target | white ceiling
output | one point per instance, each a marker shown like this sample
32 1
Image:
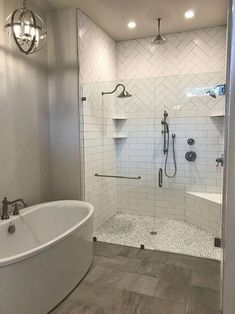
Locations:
113 15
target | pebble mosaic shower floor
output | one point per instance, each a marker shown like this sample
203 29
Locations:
168 235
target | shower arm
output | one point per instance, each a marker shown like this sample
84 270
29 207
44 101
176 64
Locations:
108 93
159 26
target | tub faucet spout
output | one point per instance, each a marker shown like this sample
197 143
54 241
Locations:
6 203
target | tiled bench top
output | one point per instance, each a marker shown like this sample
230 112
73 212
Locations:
213 197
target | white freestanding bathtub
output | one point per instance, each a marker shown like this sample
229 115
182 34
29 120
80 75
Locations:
46 257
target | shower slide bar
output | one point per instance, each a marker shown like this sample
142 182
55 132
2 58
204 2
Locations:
118 177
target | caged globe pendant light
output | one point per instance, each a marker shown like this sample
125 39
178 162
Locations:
27 29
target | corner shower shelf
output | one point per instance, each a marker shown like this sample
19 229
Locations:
119 118
218 114
119 136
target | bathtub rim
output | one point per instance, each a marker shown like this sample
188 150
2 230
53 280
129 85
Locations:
41 248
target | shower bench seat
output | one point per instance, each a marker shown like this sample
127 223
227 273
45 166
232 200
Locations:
204 210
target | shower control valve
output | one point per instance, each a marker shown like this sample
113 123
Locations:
191 156
191 141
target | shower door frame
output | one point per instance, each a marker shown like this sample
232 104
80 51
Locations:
228 232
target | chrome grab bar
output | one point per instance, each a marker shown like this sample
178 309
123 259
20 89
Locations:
119 177
160 180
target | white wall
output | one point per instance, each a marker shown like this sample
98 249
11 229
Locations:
64 103
24 127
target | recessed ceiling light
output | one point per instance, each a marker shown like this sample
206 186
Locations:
189 14
131 24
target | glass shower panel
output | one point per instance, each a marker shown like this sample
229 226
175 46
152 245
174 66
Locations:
123 137
194 194
135 154
192 114
99 149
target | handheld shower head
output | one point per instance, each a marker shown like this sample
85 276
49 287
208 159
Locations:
210 92
218 90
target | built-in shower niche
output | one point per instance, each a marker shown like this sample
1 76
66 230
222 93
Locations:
120 121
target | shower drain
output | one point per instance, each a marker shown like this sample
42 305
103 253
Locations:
153 232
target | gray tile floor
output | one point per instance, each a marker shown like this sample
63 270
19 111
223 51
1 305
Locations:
125 280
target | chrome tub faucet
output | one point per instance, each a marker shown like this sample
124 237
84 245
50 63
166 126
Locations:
6 203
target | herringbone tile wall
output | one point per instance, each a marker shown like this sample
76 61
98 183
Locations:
181 95
97 52
185 95
199 51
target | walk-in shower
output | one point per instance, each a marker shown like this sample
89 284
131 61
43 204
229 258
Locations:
131 121
137 175
166 146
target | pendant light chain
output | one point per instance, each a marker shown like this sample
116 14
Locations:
25 4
